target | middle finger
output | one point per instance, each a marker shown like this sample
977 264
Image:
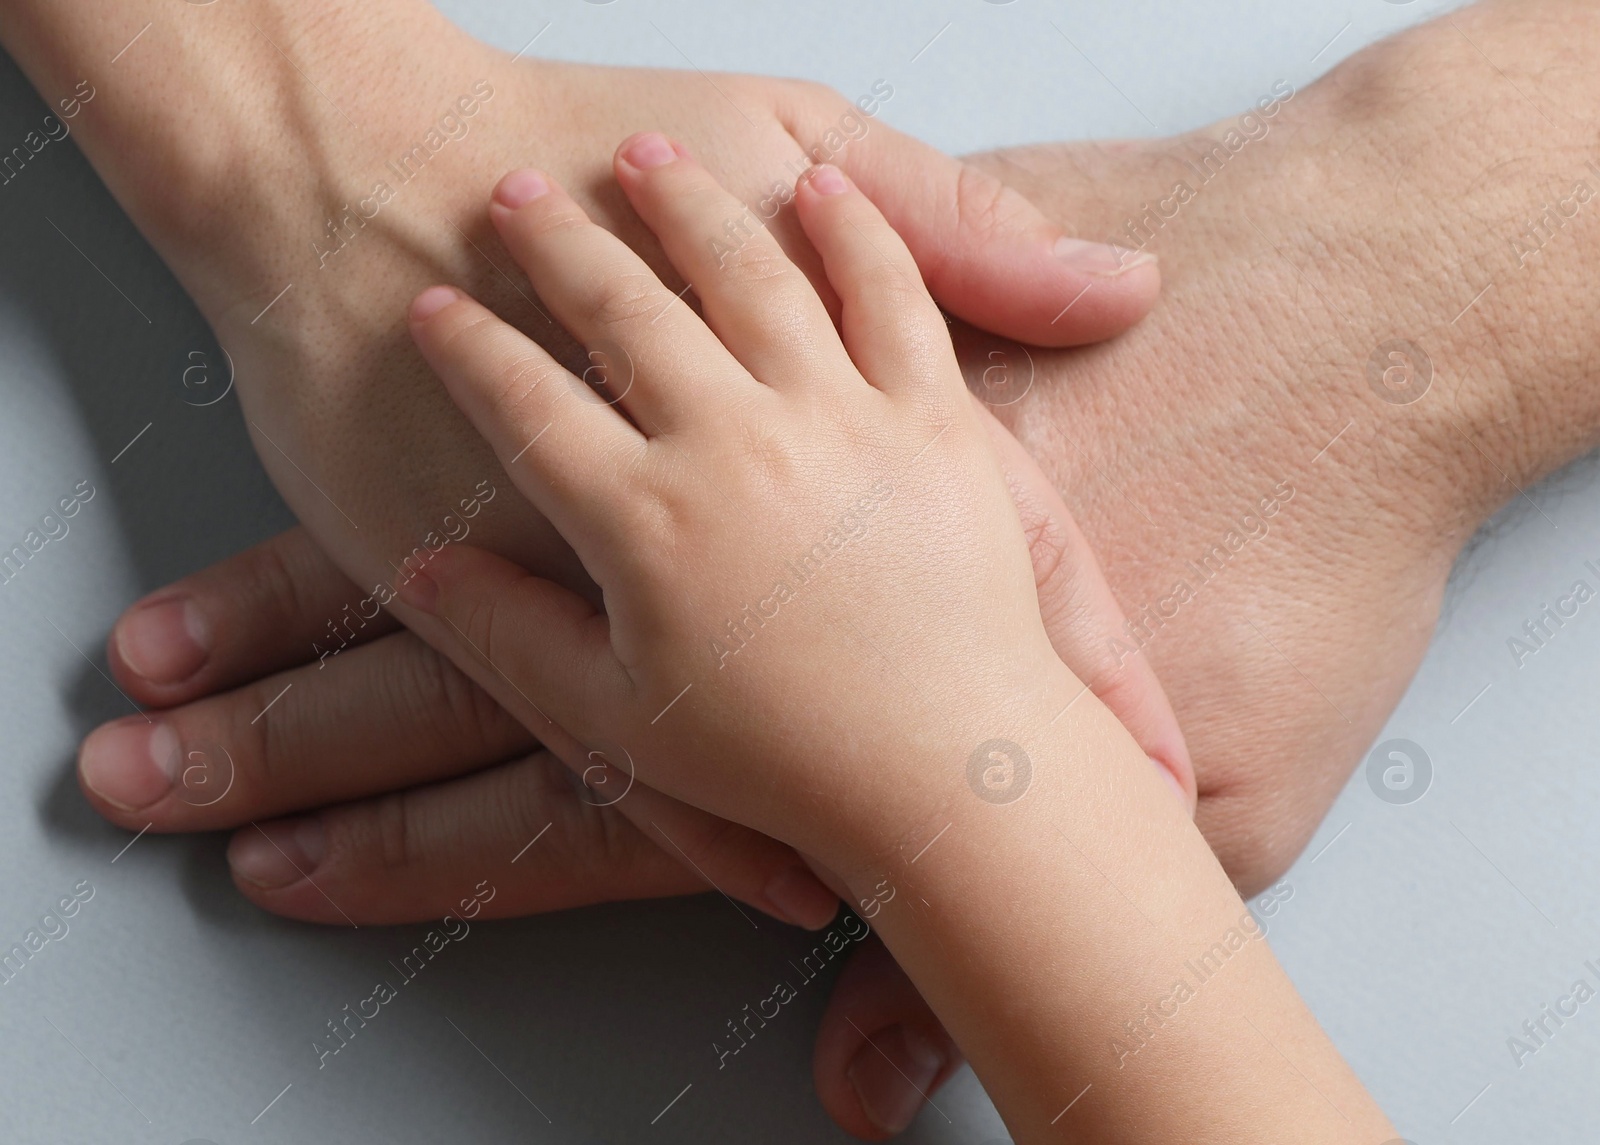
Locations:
382 716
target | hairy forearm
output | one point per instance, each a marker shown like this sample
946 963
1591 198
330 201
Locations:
1476 140
1396 198
1380 203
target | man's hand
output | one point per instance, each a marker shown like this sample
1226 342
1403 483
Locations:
1383 306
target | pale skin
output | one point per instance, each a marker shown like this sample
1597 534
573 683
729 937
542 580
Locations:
321 335
1353 575
843 721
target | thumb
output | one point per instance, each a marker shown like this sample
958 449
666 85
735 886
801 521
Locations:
988 255
1082 616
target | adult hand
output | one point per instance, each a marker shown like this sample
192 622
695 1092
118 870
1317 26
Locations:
411 777
413 129
1261 364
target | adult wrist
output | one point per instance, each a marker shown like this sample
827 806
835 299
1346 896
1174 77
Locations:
1487 171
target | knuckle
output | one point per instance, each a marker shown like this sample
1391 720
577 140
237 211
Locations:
901 288
615 846
1047 542
624 299
816 93
982 202
457 711
919 336
557 221
757 261
1056 575
394 831
266 735
268 568
519 376
478 623
809 107
469 339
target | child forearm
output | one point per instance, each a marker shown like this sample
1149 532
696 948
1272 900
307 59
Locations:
1082 944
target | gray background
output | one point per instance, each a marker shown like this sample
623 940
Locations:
1421 934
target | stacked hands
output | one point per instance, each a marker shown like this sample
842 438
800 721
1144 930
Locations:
889 677
896 686
749 433
781 607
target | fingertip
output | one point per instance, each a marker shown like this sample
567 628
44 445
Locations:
1180 777
1045 289
157 644
648 150
825 179
880 1049
991 258
1107 289
454 577
418 590
432 300
518 188
1100 260
798 896
278 855
893 1072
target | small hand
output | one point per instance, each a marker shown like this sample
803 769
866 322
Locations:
383 742
382 752
846 699
724 445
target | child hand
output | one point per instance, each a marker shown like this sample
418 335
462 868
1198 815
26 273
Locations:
820 620
818 597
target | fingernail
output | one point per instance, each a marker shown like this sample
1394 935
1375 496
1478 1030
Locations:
130 764
800 897
893 1074
1102 259
165 641
433 300
520 188
828 179
649 150
279 854
1172 782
